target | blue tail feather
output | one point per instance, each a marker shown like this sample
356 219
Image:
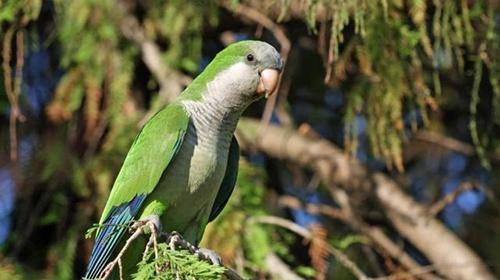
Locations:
110 235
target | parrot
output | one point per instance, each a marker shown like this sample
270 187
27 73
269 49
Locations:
181 168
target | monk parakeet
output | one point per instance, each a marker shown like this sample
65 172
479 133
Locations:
181 169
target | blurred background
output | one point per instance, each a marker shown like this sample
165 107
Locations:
379 156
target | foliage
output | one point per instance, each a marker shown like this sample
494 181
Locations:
66 252
9 271
175 265
391 49
23 11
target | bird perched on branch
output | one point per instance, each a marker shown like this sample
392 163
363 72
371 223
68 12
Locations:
182 167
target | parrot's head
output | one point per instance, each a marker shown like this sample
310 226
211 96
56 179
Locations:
258 60
243 72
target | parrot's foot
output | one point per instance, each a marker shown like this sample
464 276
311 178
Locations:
147 224
175 240
209 255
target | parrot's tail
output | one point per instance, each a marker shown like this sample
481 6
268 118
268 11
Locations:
109 236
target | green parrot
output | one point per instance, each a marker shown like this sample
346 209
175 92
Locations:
181 169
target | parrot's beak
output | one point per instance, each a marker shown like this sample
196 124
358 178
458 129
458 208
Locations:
268 81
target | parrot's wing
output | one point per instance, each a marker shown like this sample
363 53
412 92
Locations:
227 186
149 156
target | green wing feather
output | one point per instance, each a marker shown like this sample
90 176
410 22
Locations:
147 159
150 154
229 181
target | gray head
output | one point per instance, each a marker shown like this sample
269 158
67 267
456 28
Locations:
241 73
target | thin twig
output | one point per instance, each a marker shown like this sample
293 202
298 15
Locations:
120 268
284 223
445 142
278 269
109 267
154 233
306 234
313 208
419 271
376 234
13 88
439 205
449 143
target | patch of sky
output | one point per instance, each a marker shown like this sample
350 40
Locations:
7 196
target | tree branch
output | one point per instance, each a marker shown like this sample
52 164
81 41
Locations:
451 256
375 234
445 142
277 268
306 234
171 81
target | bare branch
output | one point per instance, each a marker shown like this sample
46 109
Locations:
313 208
377 235
13 87
445 142
279 269
439 205
418 272
448 143
171 81
117 260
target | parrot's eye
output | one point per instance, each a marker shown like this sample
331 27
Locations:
250 57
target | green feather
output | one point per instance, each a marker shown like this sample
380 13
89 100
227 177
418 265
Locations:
231 55
150 154
227 186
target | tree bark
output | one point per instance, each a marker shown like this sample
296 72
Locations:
449 254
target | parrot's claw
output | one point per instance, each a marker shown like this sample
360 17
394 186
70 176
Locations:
209 255
174 240
148 225
150 222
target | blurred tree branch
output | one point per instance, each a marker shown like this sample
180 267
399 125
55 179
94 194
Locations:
374 233
441 141
171 81
439 205
13 86
377 235
279 269
308 236
451 256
